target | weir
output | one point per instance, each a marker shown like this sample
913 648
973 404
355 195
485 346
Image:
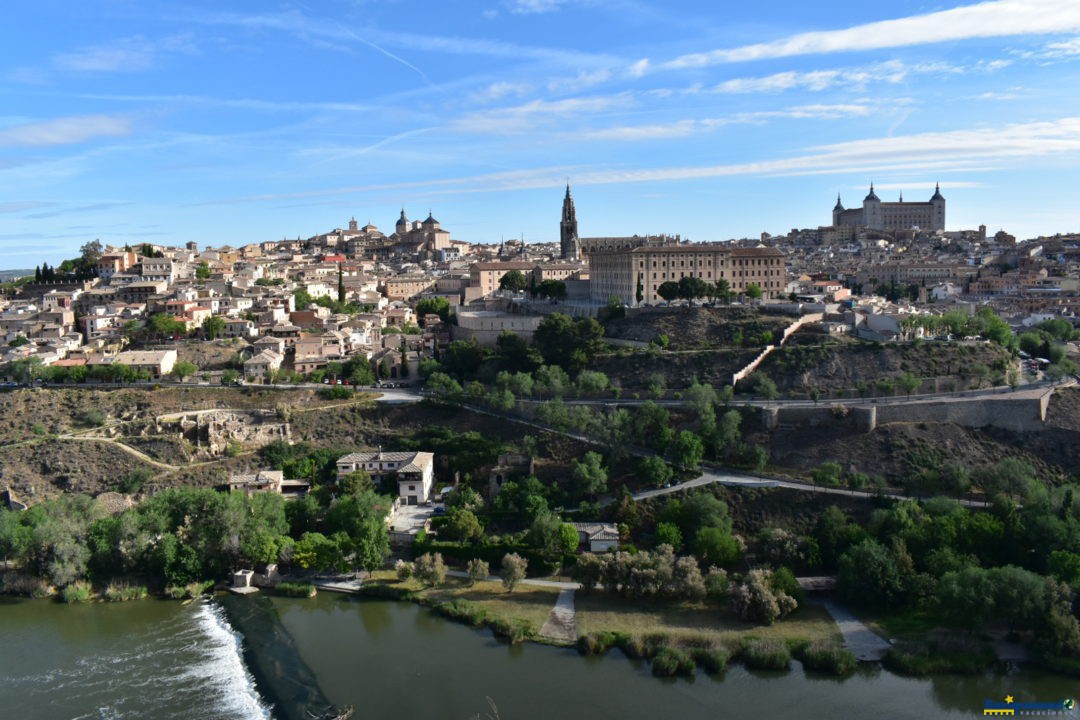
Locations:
282 677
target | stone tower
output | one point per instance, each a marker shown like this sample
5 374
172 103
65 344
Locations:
872 217
937 207
568 233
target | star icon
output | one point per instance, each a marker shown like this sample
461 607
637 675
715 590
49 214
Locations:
1009 699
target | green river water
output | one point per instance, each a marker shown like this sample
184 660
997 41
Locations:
260 657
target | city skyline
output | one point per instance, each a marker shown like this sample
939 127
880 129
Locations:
154 122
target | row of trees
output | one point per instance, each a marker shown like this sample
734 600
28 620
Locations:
694 288
187 535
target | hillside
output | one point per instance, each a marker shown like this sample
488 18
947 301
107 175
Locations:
696 328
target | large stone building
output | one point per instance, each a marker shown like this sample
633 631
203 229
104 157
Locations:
892 216
634 275
573 247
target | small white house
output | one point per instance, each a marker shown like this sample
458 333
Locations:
415 471
599 537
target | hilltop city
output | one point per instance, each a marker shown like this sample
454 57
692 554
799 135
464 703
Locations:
830 435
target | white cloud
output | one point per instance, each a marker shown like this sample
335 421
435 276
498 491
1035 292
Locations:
998 18
582 81
520 118
891 72
533 7
124 55
65 131
683 128
499 90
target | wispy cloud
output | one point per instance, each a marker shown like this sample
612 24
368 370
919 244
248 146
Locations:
23 205
74 209
239 103
533 7
65 131
979 149
499 90
858 78
998 18
683 128
131 54
530 115
582 81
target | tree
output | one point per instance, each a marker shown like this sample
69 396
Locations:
908 383
870 575
430 569
688 450
301 299
552 289
477 569
340 284
513 281
722 290
652 470
462 524
202 271
590 475
691 288
184 369
356 482
213 327
90 254
669 534
230 377
766 388
716 546
752 291
433 306
513 570
757 599
592 381
668 290
19 341
567 343
568 539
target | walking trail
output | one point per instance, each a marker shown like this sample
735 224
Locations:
560 624
864 643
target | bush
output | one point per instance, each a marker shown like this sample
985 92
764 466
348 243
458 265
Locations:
78 591
712 660
961 656
93 417
463 610
403 569
765 654
825 657
296 590
670 662
186 592
12 583
596 643
430 569
122 592
514 630
336 393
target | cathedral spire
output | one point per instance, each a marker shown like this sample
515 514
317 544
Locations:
570 247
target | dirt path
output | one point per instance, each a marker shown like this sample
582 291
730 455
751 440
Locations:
560 625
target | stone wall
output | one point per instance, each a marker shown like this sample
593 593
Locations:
211 432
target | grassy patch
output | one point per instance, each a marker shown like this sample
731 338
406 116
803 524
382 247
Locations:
598 612
78 591
296 589
765 654
965 656
123 592
907 624
672 661
828 658
189 591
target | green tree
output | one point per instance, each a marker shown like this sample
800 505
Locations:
433 306
462 524
184 369
715 546
669 534
513 281
668 290
202 271
513 570
301 299
752 291
213 327
653 471
688 450
589 474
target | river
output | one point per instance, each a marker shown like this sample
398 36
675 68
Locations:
161 659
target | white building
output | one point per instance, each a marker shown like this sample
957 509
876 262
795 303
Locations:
415 471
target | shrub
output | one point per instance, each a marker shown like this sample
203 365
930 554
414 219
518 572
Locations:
463 610
596 643
962 656
296 589
513 570
12 583
712 660
122 592
765 654
670 662
336 393
513 630
477 569
93 417
403 569
826 657
191 590
78 591
430 569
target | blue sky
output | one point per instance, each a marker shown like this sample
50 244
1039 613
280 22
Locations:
238 122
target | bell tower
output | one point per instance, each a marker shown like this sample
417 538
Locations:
568 232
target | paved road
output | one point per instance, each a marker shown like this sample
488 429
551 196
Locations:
733 479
